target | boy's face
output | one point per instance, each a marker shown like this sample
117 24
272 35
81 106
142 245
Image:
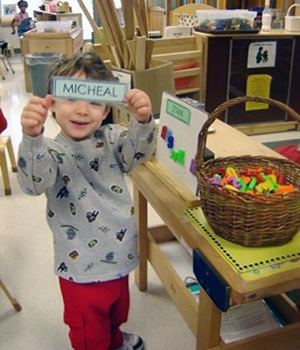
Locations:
79 119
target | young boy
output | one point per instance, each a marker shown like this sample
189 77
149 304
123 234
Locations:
89 208
21 19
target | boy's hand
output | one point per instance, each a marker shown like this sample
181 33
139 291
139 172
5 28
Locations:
139 103
35 114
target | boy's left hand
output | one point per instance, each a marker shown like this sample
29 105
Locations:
139 102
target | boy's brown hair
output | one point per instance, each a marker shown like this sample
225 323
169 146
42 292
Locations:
88 63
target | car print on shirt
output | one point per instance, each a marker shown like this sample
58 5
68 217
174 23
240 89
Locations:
72 208
92 243
116 188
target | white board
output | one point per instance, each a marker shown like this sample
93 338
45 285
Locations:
184 122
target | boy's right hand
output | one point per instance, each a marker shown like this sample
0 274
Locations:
35 114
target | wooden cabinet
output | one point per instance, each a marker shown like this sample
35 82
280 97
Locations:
64 43
225 72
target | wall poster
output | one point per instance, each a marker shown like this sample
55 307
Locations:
262 54
272 79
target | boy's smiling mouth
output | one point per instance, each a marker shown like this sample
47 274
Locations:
79 123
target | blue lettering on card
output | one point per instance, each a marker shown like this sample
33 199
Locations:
88 90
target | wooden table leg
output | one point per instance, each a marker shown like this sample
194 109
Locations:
4 168
141 213
11 155
209 323
14 301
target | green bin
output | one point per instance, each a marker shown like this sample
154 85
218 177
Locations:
39 65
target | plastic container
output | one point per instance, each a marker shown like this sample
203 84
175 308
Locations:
292 23
39 65
54 26
226 20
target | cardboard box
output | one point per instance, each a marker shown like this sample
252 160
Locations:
153 81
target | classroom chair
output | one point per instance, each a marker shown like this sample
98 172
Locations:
5 46
5 143
10 50
14 301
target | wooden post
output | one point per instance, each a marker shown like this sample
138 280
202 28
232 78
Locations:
209 323
141 273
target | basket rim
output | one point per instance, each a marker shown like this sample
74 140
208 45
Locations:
246 197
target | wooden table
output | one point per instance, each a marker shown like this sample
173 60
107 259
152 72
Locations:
205 319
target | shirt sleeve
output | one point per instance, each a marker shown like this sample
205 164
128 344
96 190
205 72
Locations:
37 166
136 145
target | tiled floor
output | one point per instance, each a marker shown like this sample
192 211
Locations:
26 264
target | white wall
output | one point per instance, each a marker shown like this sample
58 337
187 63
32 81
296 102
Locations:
34 5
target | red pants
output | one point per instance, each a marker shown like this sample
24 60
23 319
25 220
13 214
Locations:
94 313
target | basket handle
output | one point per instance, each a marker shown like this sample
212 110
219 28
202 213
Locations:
222 107
289 9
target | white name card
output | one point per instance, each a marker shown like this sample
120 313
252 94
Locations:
89 90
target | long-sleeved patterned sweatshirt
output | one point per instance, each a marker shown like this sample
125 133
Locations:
89 208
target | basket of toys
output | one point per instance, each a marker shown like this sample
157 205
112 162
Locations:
253 201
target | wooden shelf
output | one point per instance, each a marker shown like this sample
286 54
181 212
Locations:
185 51
187 91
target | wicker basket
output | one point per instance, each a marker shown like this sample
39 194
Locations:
252 220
